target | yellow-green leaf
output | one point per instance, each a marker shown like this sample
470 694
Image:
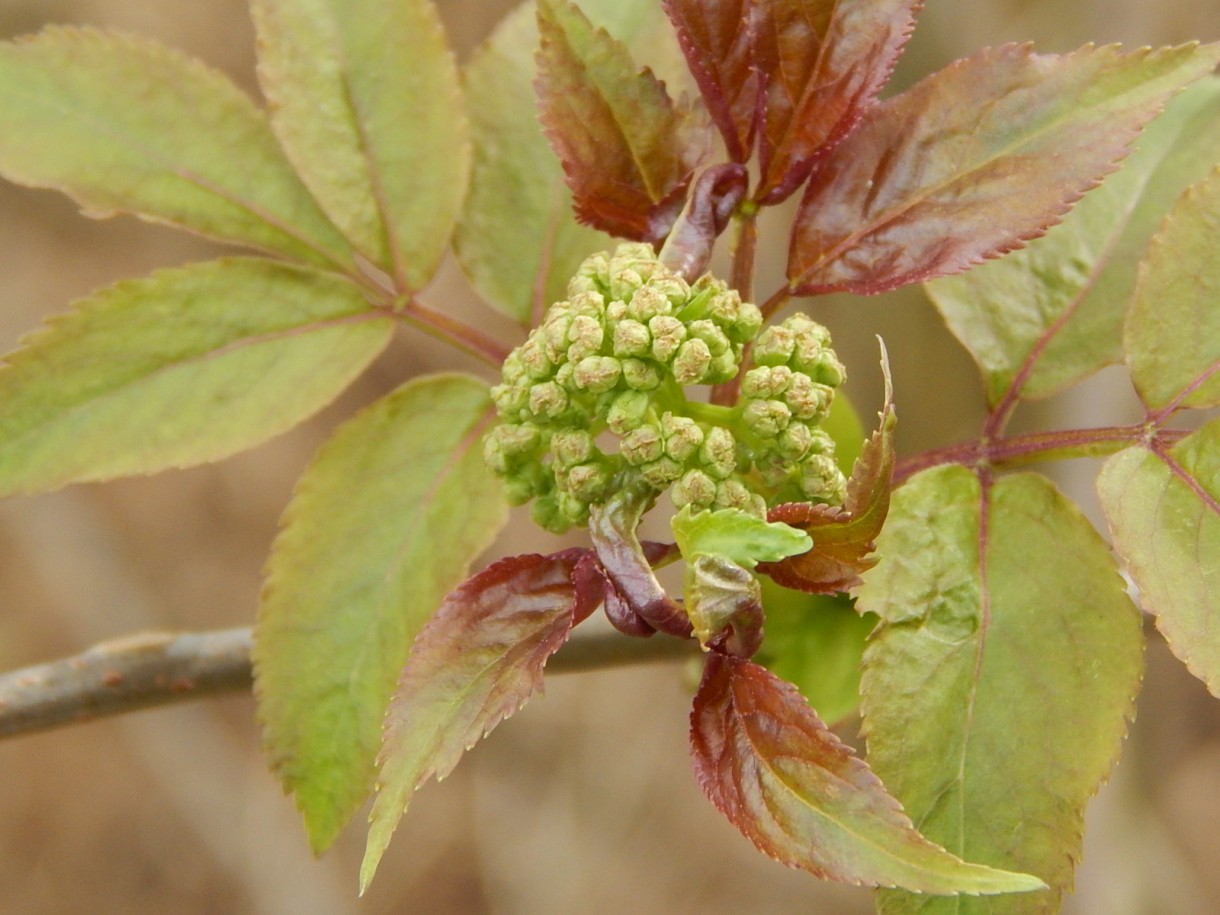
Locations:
1049 315
1173 328
1163 506
997 688
385 521
122 124
182 367
365 99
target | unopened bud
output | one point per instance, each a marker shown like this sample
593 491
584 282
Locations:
766 418
597 374
682 436
691 362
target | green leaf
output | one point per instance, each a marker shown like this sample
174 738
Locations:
365 99
1018 138
385 521
182 367
518 239
1163 506
476 662
997 688
744 538
1173 327
816 643
769 764
628 150
122 124
1043 318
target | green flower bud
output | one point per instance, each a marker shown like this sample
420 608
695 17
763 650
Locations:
749 320
571 446
631 338
774 345
807 399
691 362
719 452
722 368
641 375
682 436
821 480
774 468
668 333
695 488
795 442
585 335
547 515
733 494
672 286
592 275
648 303
534 359
766 418
573 510
642 445
828 370
510 400
589 482
659 474
548 399
766 382
716 339
597 373
629 411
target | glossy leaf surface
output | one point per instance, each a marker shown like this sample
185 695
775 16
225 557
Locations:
124 125
182 367
1173 329
823 62
365 99
384 523
718 38
1164 513
997 689
475 663
1046 316
628 151
767 763
816 643
1019 137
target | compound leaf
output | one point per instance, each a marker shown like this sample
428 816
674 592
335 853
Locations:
365 99
1018 138
385 521
182 367
122 124
779 775
475 663
1046 316
1173 328
1163 506
628 150
997 688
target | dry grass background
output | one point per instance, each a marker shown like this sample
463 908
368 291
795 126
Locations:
584 802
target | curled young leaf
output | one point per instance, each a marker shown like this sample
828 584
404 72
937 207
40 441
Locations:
475 663
715 195
1019 138
628 151
767 763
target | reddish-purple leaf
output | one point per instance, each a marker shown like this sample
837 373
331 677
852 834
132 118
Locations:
612 528
717 37
823 62
768 763
628 151
843 538
713 198
476 662
974 161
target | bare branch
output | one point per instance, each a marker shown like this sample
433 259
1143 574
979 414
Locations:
158 668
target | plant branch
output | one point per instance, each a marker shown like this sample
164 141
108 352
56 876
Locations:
159 668
458 333
1031 449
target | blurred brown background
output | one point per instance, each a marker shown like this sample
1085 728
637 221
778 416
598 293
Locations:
585 801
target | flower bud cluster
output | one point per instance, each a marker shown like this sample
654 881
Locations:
593 401
785 399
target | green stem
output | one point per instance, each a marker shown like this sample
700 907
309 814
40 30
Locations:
1020 450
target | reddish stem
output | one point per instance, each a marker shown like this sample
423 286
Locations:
455 332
